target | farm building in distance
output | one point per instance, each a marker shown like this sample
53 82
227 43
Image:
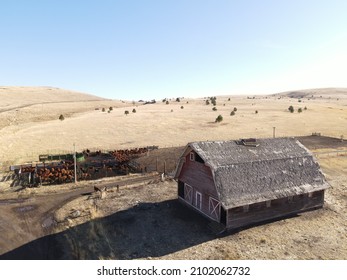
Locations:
238 183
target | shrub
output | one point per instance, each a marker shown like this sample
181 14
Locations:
256 111
134 110
103 109
214 103
167 102
229 99
126 112
61 117
214 109
207 102
110 109
178 99
299 110
232 113
235 109
305 108
182 107
219 118
291 109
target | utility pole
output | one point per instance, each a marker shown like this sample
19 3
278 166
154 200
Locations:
274 132
74 159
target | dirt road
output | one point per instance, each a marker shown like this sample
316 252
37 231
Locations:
33 215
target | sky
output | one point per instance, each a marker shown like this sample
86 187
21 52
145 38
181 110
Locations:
153 49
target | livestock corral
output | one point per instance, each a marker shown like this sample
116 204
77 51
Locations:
90 165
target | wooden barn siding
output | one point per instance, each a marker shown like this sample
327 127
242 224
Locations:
199 176
258 212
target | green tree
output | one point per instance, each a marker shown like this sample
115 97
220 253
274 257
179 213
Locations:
178 99
134 110
219 118
232 113
291 109
61 117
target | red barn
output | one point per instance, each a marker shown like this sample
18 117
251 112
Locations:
238 183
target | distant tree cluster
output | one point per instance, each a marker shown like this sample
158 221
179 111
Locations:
233 112
292 110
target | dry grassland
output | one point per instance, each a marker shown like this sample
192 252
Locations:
30 131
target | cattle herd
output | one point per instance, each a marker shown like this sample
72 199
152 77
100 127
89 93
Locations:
94 165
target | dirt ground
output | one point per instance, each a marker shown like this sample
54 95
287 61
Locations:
142 219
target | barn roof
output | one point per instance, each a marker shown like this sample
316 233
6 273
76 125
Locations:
272 169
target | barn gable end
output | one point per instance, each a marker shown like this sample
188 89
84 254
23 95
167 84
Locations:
253 178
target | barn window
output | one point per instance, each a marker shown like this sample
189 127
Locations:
192 156
245 208
268 203
198 197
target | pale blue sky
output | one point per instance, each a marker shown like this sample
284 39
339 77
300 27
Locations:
155 49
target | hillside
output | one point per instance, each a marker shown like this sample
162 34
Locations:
19 105
315 93
15 96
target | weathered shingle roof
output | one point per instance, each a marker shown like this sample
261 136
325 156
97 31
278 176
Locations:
276 168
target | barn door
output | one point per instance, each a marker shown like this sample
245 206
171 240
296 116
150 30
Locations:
214 208
188 193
